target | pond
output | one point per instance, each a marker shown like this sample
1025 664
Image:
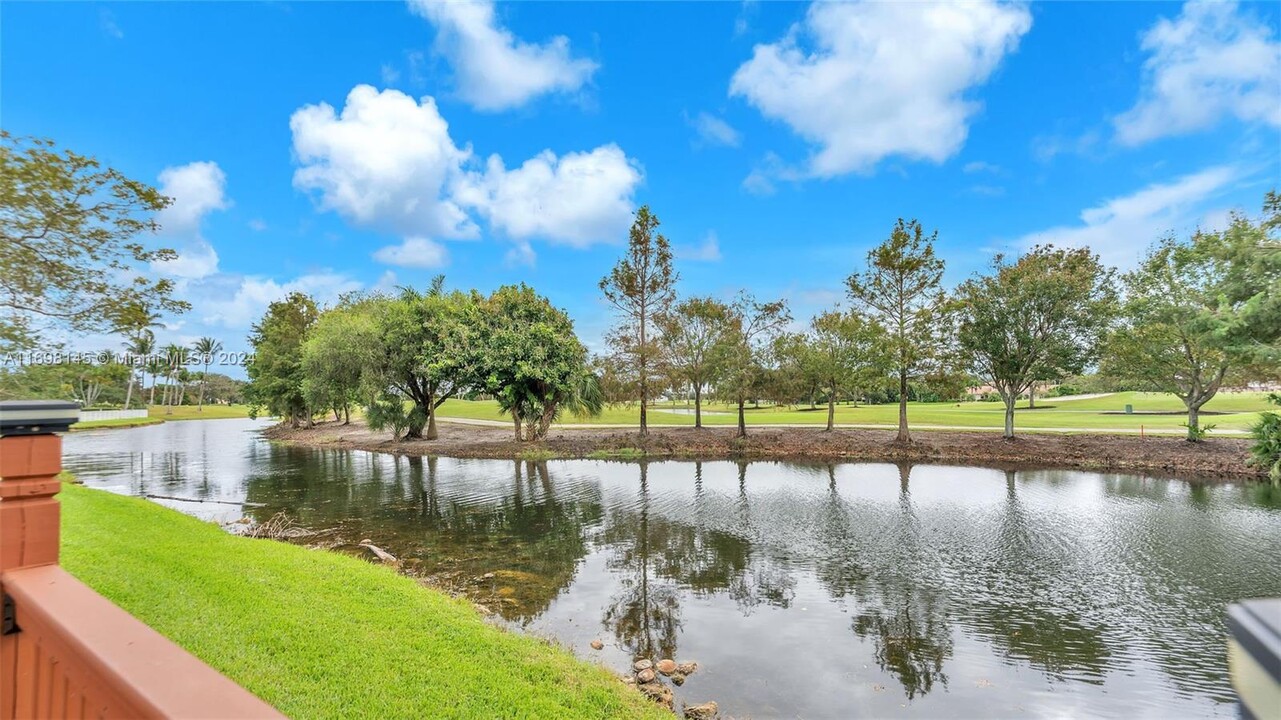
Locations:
823 591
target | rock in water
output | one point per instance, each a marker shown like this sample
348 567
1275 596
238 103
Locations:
642 665
687 668
678 679
645 676
377 554
666 666
706 711
597 644
657 692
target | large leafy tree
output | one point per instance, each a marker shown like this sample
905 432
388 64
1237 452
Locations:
533 363
338 355
641 287
275 366
428 353
71 243
901 290
1247 257
1041 316
747 351
843 353
693 336
1171 335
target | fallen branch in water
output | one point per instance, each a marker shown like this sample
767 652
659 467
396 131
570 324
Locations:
220 502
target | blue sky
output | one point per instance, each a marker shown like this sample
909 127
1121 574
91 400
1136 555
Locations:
329 146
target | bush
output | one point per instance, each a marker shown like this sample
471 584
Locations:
1266 451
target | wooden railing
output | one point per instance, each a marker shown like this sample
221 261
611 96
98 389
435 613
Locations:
66 651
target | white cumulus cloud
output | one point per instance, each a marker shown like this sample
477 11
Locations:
1210 62
495 70
386 162
868 80
195 190
1120 229
578 199
236 302
414 252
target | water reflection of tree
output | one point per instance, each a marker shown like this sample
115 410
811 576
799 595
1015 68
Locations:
1023 623
529 532
645 614
905 620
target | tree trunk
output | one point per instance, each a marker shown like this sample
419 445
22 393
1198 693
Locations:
346 415
742 420
337 414
1194 411
1010 400
903 435
129 391
152 400
1031 397
516 422
698 407
831 411
201 406
431 421
644 377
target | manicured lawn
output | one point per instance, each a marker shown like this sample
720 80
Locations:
318 634
1050 414
120 423
189 412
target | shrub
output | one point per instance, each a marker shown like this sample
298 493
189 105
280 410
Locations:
1266 451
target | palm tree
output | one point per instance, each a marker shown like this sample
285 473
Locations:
175 356
205 348
139 347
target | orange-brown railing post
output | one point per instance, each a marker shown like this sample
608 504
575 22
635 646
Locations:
30 460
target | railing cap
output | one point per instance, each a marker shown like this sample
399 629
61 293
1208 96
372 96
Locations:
37 417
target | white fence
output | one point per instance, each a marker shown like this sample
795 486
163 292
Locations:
87 415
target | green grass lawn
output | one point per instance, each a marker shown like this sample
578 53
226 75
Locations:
120 423
190 412
1051 414
318 634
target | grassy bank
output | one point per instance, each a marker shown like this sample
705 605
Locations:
318 634
120 423
1105 414
191 412
157 414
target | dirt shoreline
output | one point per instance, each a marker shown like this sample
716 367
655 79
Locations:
1218 459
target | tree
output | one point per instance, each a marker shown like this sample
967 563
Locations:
1247 257
275 367
205 348
533 363
641 287
1043 316
175 361
749 337
135 322
338 353
900 289
1171 337
140 346
69 248
428 352
844 353
692 335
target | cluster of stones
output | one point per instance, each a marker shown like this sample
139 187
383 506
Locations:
646 677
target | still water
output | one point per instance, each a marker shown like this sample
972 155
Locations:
824 591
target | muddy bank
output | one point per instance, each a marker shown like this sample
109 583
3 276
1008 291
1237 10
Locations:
1221 458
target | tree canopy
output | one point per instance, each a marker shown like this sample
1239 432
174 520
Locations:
1039 317
72 250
